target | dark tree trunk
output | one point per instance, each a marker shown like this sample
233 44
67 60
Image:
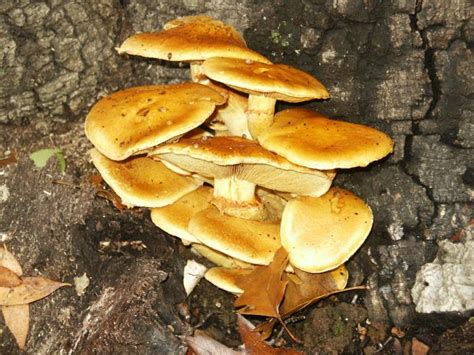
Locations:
405 67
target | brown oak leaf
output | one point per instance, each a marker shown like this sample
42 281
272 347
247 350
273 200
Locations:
263 288
304 289
203 344
254 345
311 288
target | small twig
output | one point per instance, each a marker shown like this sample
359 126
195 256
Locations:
290 334
67 183
204 320
100 191
385 343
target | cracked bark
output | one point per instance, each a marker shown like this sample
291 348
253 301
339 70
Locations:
404 67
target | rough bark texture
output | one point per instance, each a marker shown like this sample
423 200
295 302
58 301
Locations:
402 66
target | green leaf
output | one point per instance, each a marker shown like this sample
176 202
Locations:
41 157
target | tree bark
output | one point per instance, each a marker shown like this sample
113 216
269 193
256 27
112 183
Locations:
405 67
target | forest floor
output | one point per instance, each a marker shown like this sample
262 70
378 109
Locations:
57 227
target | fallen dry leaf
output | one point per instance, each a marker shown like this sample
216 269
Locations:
254 345
8 261
418 347
398 332
8 278
312 287
96 181
304 289
16 294
32 289
203 344
192 274
17 319
11 159
263 288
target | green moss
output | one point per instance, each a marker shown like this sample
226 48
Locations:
337 328
278 38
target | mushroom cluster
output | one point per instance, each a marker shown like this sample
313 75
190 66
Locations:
219 169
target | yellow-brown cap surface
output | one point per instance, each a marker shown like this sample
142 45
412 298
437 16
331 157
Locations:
322 233
254 242
136 119
309 139
174 218
278 81
142 181
219 258
192 38
225 278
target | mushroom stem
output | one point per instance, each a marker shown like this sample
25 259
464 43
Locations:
197 74
260 111
236 197
234 189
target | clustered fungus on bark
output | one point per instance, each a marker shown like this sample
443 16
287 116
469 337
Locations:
259 181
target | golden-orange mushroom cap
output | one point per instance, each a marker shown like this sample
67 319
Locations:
174 218
278 81
310 139
142 181
322 233
254 242
133 120
191 38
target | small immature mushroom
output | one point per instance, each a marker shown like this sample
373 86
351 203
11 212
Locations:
254 242
338 224
238 165
219 258
133 120
174 218
309 139
142 181
226 278
190 39
265 83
